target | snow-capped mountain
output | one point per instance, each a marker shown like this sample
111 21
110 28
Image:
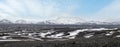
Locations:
115 23
20 22
77 21
5 21
65 20
74 21
97 23
45 22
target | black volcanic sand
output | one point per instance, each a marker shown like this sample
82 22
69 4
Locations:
91 42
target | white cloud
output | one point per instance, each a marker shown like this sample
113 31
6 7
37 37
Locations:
67 18
39 10
36 10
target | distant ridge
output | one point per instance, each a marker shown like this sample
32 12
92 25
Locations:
6 21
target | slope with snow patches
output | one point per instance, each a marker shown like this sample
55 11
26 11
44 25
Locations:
88 33
66 34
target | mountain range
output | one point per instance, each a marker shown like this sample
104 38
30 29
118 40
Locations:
60 21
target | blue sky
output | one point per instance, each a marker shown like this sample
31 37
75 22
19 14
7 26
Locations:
39 10
92 6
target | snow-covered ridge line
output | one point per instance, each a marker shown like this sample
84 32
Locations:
75 22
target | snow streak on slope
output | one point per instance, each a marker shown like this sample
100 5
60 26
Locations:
44 34
59 35
88 36
74 33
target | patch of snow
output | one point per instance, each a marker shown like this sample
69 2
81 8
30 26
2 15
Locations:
115 28
99 29
88 36
6 37
111 32
36 38
118 36
59 35
72 37
108 34
74 33
44 34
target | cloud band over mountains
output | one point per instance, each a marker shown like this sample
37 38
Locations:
40 10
